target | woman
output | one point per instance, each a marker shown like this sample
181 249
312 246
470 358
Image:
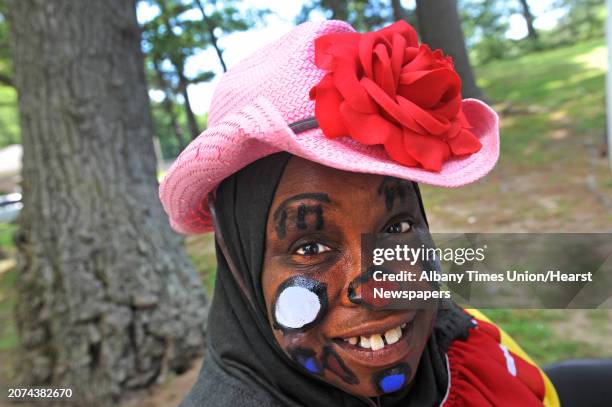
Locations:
312 141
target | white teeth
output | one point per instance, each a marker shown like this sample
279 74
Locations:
377 342
365 342
403 325
393 335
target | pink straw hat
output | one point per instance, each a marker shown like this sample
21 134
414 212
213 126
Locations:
263 105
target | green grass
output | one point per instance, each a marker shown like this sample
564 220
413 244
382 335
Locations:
7 231
533 330
8 334
562 88
201 251
552 110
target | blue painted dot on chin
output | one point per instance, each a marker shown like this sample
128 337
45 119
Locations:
392 383
312 365
306 358
393 379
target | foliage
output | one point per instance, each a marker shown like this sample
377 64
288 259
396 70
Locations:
164 130
9 121
363 15
485 24
180 30
5 57
584 20
9 117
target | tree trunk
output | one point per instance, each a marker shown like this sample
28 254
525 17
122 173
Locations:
440 27
400 13
211 33
179 66
107 300
191 119
168 105
531 31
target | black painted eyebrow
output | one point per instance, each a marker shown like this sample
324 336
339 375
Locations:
317 196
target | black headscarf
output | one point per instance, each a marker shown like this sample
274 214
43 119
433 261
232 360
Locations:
242 353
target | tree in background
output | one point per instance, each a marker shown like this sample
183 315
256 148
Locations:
584 19
5 64
440 27
532 34
485 23
172 42
180 30
9 130
107 300
363 15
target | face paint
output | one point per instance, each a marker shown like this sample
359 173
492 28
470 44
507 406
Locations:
281 225
390 380
280 214
361 289
393 188
332 362
300 302
306 358
304 210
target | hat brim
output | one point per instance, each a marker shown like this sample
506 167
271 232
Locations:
258 130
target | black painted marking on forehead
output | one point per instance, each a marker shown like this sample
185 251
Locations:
280 214
332 361
300 302
394 188
304 210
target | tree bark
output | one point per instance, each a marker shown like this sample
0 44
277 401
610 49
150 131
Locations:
440 27
526 11
107 300
169 106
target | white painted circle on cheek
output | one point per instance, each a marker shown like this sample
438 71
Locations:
296 306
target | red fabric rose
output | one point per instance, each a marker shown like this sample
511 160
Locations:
383 88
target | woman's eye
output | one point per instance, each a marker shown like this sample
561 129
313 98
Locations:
310 249
399 227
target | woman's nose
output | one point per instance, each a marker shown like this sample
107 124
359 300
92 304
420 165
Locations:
351 288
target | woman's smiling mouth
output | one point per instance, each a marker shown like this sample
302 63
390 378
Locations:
380 349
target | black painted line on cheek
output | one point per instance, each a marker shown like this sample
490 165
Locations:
332 362
307 359
393 379
314 286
